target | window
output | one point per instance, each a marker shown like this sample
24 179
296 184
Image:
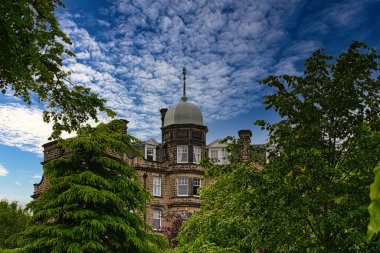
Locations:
183 214
214 154
157 186
196 186
150 153
182 154
225 156
196 154
156 219
219 155
182 186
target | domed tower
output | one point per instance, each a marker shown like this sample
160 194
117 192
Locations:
183 132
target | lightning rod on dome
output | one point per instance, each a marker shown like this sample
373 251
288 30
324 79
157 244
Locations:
184 98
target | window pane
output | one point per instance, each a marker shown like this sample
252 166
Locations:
196 186
182 154
156 186
225 156
182 186
214 154
150 153
196 154
183 214
156 219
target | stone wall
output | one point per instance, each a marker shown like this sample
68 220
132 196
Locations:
165 167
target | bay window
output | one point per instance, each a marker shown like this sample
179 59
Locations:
182 186
196 154
182 154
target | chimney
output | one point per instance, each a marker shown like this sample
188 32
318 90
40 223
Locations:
163 113
126 126
245 137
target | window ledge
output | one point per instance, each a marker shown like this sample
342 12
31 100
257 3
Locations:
188 196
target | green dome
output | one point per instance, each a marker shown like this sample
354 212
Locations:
183 113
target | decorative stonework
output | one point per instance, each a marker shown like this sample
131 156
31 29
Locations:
162 161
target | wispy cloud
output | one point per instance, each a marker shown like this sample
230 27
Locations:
3 171
22 127
345 14
132 52
37 176
17 183
337 17
135 62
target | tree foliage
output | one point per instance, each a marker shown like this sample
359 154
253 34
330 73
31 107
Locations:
95 200
13 219
226 220
374 207
313 194
31 51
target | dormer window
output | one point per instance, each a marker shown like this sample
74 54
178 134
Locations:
182 154
218 153
150 153
214 154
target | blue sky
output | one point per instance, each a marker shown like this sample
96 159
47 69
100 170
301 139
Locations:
132 52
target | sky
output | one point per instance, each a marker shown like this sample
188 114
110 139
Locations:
131 53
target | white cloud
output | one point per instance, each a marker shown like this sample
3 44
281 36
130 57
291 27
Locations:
344 14
17 183
23 127
37 176
3 171
135 59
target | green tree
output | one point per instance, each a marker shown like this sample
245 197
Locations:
13 219
32 46
374 207
226 221
313 193
95 200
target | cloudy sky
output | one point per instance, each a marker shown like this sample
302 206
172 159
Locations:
132 53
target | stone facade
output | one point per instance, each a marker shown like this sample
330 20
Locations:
168 169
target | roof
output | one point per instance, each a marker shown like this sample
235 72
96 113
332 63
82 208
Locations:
217 144
152 141
183 113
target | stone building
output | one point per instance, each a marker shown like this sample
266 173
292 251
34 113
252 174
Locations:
169 169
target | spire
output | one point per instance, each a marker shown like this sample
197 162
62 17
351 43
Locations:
184 98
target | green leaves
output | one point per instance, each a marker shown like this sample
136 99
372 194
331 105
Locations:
374 207
312 195
31 51
94 200
13 219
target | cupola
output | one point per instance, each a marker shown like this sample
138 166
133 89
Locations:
183 112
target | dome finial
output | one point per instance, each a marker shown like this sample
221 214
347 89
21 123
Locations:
184 98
